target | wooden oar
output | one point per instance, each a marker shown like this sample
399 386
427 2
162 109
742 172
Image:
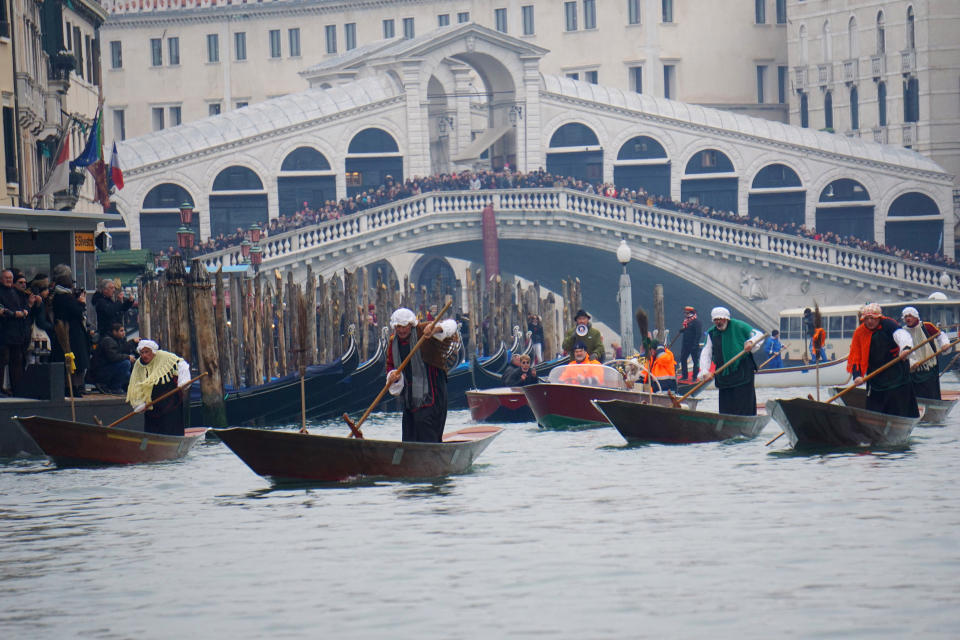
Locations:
936 353
355 426
950 364
771 358
63 336
302 354
678 401
153 402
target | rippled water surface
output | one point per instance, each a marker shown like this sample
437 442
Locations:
552 534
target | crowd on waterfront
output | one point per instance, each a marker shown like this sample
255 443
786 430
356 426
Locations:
393 191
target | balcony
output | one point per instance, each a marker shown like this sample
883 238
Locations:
908 62
878 66
824 75
800 79
880 135
851 71
908 136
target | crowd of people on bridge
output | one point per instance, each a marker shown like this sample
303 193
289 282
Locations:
393 191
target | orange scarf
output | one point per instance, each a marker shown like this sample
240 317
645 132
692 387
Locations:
860 347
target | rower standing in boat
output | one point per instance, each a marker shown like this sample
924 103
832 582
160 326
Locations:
877 341
421 388
925 377
155 373
726 339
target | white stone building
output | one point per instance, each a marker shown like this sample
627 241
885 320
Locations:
397 108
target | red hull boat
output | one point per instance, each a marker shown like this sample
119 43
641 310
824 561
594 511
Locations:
289 456
76 443
500 404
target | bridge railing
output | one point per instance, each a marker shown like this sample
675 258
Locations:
293 244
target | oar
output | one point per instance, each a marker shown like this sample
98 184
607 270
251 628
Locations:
355 426
936 353
302 354
63 336
950 364
771 358
678 401
153 402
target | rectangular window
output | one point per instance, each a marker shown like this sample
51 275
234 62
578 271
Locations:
573 75
570 16
350 35
782 85
590 76
463 16
527 13
240 45
157 118
354 178
589 14
173 48
78 51
10 149
241 104
330 31
274 35
781 11
669 79
408 31
119 124
761 72
68 39
666 8
760 11
213 47
388 30
294 37
88 48
175 116
636 79
213 109
156 52
116 55
500 20
443 19
633 11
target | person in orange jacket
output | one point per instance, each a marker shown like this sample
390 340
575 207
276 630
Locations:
583 369
664 370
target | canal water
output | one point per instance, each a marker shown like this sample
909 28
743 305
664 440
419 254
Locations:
550 535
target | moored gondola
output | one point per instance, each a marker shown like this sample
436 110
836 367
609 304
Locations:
641 422
76 443
289 456
811 424
935 412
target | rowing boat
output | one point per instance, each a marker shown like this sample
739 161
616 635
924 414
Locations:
831 373
564 401
500 404
77 443
639 422
935 412
811 424
290 456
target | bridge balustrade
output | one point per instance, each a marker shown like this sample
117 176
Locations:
675 225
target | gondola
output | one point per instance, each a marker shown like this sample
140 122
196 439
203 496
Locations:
278 401
484 378
500 404
935 412
76 443
562 405
640 422
812 424
288 456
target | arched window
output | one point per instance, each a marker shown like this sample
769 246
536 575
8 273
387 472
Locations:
710 161
642 163
844 209
575 152
911 30
775 176
826 43
166 196
804 46
160 216
777 196
311 184
376 160
844 190
574 134
914 223
854 109
641 148
305 159
237 178
914 204
804 111
230 210
701 185
881 34
373 141
853 46
882 103
828 110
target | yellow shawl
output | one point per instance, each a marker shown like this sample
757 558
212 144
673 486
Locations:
146 376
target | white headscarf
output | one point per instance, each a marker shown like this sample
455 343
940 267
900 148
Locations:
402 317
910 311
147 344
719 312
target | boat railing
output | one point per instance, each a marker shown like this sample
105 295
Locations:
668 224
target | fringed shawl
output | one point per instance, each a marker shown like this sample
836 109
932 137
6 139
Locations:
145 377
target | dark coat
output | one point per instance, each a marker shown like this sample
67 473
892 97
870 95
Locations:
67 308
15 331
109 311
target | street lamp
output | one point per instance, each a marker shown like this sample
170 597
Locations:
625 297
245 249
185 241
256 257
186 214
255 233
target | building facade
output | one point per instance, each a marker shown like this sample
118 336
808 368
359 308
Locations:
8 102
169 62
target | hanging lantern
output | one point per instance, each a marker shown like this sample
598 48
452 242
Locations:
186 214
255 233
245 249
256 256
185 238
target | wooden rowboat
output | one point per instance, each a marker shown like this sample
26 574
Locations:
811 424
289 456
501 404
653 423
935 412
77 443
831 373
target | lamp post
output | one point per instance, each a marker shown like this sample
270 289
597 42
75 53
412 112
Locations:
625 298
256 257
185 232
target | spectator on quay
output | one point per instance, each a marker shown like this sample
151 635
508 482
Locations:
113 360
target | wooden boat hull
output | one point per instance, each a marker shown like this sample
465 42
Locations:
501 404
831 373
652 423
289 456
934 412
76 443
811 424
568 406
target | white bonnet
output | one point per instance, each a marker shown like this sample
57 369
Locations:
719 312
402 316
147 344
